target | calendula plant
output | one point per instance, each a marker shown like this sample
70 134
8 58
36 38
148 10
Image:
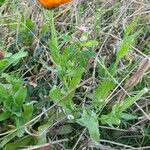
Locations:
70 66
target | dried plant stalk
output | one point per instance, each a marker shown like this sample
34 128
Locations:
136 77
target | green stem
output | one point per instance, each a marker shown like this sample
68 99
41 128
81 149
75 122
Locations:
53 30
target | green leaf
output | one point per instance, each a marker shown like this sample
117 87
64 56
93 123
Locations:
27 111
110 119
114 117
76 75
89 119
42 138
11 107
19 121
20 96
16 57
56 57
45 29
102 92
89 54
7 138
3 91
55 94
66 38
15 82
128 116
29 24
4 116
128 102
91 43
19 143
126 45
53 30
66 103
3 63
130 28
65 129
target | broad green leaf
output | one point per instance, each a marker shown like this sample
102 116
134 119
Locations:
20 96
129 38
66 103
125 47
3 64
13 80
19 121
66 38
19 143
102 69
102 92
55 94
126 44
3 91
13 59
89 54
76 77
91 43
65 129
29 24
42 138
16 57
11 107
8 103
4 116
89 119
17 111
45 29
27 111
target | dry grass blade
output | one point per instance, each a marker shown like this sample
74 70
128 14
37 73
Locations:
134 80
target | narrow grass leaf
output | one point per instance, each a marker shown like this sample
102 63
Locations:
131 100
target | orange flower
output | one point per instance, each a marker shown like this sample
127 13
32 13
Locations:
53 3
